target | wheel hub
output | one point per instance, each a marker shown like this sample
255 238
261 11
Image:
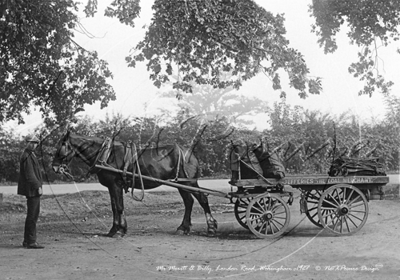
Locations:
268 216
343 210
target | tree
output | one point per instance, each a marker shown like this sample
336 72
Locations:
303 135
372 23
10 151
41 64
206 38
213 104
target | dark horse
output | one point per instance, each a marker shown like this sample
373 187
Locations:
169 162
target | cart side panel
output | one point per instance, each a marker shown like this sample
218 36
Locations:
373 184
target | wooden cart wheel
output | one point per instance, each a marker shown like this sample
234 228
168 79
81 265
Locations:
312 198
240 210
267 215
343 209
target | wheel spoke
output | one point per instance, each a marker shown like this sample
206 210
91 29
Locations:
263 225
361 203
350 195
354 200
344 195
274 220
355 217
259 222
354 224
278 213
260 211
272 228
333 198
341 224
313 196
280 218
358 211
259 207
334 223
334 205
252 219
347 224
312 201
328 215
276 206
315 214
337 196
329 208
273 223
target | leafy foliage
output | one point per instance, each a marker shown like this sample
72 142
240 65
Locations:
372 23
307 141
41 65
10 151
206 38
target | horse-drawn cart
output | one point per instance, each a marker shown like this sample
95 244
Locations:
261 198
339 204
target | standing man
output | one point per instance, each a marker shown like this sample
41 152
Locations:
30 185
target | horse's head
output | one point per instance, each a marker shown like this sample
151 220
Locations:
63 155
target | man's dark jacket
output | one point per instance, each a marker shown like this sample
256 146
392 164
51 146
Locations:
30 177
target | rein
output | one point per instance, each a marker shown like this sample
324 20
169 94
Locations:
63 166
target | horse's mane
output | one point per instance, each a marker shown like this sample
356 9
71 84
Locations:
100 140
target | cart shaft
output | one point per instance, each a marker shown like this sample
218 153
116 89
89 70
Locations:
168 183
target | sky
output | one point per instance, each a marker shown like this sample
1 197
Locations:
137 96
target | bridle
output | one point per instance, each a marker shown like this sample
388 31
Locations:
67 151
65 155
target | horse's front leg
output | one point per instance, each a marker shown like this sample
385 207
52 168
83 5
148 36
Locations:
184 228
117 206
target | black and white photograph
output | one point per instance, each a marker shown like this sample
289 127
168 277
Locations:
199 139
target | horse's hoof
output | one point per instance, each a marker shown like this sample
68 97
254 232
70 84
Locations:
180 231
110 234
121 233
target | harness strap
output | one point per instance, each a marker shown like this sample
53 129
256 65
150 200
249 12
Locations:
135 164
131 159
127 160
100 153
105 151
180 161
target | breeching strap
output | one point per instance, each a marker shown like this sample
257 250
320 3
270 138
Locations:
181 160
131 157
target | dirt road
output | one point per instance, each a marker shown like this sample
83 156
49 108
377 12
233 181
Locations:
72 228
